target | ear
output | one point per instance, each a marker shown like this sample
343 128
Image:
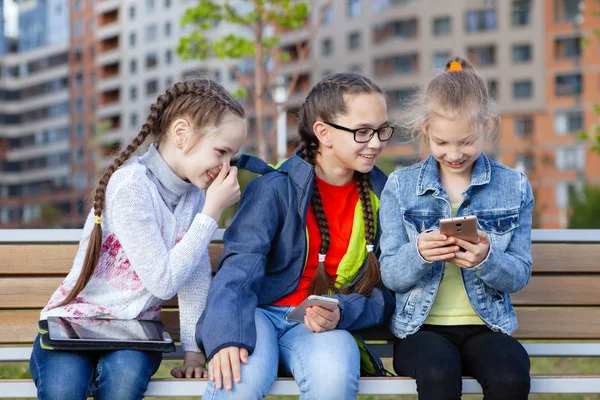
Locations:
322 132
425 130
181 131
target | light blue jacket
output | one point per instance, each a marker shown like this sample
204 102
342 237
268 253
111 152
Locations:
414 200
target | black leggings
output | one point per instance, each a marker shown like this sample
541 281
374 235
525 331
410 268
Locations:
438 356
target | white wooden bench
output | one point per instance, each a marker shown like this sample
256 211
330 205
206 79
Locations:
561 303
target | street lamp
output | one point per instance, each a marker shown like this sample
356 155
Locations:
280 96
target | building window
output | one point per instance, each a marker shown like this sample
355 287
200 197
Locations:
149 6
326 47
492 85
132 12
399 98
568 122
525 162
566 10
167 29
327 14
440 59
442 26
79 105
570 158
79 133
568 85
521 53
398 30
482 56
151 60
169 82
78 5
480 20
521 12
567 47
132 38
400 64
354 8
151 87
355 68
168 57
167 3
133 66
133 92
354 41
79 80
523 126
151 31
78 29
133 120
522 89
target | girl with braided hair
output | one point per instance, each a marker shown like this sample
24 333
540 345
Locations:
146 239
454 314
307 226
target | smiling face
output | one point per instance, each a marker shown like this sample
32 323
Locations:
201 163
454 142
367 110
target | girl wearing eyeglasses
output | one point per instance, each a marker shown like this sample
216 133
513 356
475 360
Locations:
307 226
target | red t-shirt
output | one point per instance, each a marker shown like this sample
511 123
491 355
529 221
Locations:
339 203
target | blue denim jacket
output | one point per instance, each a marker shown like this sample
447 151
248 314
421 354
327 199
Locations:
414 200
264 257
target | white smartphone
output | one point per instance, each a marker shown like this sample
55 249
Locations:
297 315
460 227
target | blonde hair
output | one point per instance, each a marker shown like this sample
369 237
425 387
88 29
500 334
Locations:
451 93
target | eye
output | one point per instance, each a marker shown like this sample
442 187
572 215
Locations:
364 132
221 151
440 143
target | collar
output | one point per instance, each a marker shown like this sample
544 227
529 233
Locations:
429 176
165 175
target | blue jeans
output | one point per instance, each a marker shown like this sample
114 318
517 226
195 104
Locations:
114 375
325 365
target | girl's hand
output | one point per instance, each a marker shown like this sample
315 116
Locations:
433 246
474 254
319 319
223 192
193 366
226 363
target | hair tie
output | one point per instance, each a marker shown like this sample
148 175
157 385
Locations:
321 257
370 248
97 220
455 67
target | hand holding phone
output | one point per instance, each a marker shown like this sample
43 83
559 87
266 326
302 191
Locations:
433 246
460 227
327 303
474 253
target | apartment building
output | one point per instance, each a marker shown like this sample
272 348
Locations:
527 50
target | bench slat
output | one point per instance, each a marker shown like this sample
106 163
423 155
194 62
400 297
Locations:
56 259
542 290
20 327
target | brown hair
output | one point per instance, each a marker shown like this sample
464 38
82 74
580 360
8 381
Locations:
326 101
203 101
451 93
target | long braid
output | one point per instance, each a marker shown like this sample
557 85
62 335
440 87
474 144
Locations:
161 115
372 276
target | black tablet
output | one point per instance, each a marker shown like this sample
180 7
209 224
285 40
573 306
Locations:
107 330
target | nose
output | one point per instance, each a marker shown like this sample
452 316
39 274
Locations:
455 154
375 143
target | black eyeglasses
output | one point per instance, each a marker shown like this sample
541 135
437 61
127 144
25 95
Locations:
363 135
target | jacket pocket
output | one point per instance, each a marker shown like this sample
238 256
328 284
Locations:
499 226
417 222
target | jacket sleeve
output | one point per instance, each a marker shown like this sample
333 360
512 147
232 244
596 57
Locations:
360 312
510 270
401 264
233 296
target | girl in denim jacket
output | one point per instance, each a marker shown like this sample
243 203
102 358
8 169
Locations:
453 312
306 226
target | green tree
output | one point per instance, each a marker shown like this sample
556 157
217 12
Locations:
264 20
585 208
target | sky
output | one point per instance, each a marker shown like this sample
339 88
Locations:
10 18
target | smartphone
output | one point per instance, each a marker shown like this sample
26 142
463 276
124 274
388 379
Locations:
460 227
297 315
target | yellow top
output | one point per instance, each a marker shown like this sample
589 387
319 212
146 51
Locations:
451 305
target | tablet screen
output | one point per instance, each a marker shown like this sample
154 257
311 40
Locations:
96 329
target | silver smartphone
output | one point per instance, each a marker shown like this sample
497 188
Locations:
460 227
297 315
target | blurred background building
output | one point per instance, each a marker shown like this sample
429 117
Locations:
78 81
